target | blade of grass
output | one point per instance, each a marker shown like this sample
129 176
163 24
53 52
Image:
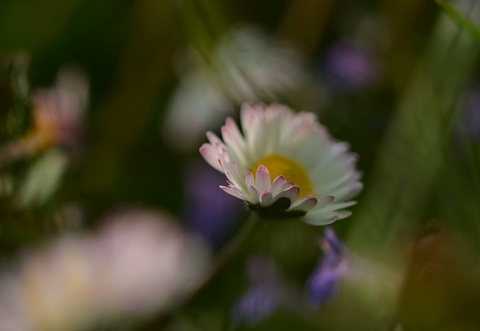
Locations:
462 21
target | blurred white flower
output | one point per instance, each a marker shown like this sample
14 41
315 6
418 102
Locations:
244 66
138 264
285 165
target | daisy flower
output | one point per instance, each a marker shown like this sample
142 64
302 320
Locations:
284 165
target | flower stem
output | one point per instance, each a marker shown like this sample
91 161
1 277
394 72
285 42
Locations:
229 251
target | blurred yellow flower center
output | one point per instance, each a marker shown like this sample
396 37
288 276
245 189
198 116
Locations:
279 165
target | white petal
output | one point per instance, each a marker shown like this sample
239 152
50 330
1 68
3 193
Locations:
305 204
339 205
211 156
291 193
263 179
249 179
232 191
278 184
349 191
320 219
325 201
343 214
234 140
254 195
265 198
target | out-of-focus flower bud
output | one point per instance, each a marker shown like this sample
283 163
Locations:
58 112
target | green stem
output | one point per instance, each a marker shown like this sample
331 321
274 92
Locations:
229 251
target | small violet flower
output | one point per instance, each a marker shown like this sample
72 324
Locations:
209 212
468 127
269 292
323 284
349 67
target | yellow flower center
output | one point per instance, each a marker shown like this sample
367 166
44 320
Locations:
279 165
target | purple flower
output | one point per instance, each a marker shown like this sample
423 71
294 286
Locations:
209 212
257 304
469 121
350 67
323 284
268 293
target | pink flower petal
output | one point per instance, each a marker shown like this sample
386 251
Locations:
231 134
254 193
325 201
249 179
263 179
249 115
211 156
265 198
213 139
287 185
291 193
277 185
348 191
306 203
233 191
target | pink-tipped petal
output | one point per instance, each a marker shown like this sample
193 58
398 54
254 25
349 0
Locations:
325 201
306 203
211 156
351 191
232 191
287 185
263 179
249 179
231 134
249 115
265 198
254 193
277 185
291 193
231 177
213 139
